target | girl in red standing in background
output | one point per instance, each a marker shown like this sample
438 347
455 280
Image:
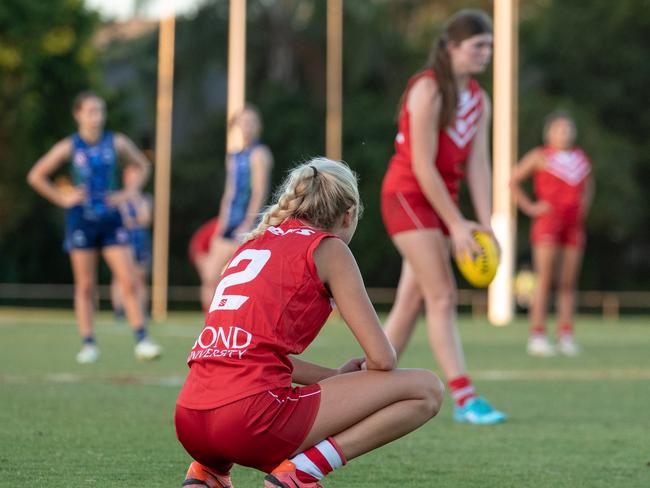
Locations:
443 134
563 188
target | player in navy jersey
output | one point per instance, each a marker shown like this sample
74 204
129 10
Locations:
137 212
247 179
92 220
238 403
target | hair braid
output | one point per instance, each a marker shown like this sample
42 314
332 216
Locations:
319 192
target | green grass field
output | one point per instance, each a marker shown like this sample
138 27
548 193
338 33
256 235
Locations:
581 422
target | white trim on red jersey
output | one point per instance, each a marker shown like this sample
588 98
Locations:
467 116
570 166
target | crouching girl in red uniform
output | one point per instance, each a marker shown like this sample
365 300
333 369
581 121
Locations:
238 404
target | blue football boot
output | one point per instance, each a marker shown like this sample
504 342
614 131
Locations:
478 411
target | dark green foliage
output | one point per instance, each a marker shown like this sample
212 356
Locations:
45 59
590 61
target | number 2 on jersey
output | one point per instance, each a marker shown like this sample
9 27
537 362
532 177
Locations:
258 259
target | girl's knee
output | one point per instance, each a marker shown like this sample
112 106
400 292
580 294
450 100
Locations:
443 300
434 392
566 285
84 290
129 286
429 389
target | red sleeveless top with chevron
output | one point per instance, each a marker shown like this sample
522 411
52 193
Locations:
454 143
562 181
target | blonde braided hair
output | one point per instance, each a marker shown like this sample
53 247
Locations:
318 192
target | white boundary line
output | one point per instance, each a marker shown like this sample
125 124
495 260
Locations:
177 380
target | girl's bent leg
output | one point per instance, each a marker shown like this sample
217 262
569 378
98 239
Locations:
402 318
367 409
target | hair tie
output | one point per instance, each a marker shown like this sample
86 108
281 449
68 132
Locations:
315 170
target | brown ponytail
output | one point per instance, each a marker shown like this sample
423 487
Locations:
462 25
440 61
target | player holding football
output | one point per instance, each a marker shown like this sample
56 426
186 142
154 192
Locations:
564 188
92 219
238 404
443 135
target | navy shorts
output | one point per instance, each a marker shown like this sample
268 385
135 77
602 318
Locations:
83 231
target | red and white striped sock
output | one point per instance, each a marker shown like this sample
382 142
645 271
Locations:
537 330
566 330
461 390
314 463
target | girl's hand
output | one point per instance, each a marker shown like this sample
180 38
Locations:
462 238
71 196
120 197
540 207
354 364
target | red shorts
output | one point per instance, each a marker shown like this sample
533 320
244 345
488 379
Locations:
553 229
200 241
409 211
259 431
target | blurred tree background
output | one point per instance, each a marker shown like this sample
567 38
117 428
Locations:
601 79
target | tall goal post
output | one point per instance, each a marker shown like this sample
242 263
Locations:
162 166
500 292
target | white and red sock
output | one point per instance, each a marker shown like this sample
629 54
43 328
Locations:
314 463
461 390
537 330
566 330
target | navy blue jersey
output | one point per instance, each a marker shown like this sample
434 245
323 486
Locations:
95 168
241 174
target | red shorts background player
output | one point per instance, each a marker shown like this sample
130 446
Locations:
238 404
199 253
563 187
443 130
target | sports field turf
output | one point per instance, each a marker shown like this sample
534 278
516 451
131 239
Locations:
581 422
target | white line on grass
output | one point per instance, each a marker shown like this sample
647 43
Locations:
177 380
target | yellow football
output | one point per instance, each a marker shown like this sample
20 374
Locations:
479 269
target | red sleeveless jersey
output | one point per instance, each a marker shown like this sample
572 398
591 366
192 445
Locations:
454 143
269 303
562 181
